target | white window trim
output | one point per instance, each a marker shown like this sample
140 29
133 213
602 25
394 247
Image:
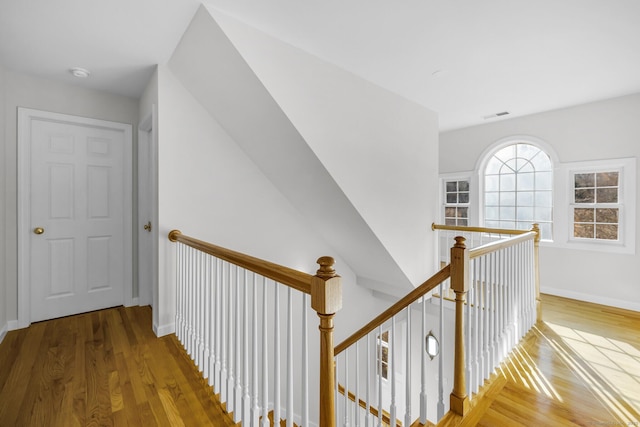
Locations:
473 195
486 155
626 243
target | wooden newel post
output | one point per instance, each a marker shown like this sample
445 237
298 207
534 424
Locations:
459 401
536 268
326 300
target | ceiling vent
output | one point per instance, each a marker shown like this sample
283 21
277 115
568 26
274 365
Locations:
493 116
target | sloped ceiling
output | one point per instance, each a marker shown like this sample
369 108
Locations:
463 59
235 97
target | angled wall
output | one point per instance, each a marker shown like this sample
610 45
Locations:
380 148
339 167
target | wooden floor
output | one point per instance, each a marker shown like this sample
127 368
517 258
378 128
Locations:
579 367
104 368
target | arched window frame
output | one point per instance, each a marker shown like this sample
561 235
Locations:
494 148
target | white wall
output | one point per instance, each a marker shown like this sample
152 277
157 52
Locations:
210 189
3 276
24 91
601 130
380 148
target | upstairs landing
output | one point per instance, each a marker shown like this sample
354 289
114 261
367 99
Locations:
579 367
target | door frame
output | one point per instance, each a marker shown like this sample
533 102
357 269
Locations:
25 117
147 131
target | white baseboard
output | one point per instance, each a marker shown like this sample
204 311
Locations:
3 332
163 330
132 302
612 302
12 325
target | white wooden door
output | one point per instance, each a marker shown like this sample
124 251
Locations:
78 218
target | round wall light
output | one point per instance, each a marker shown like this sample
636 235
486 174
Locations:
432 346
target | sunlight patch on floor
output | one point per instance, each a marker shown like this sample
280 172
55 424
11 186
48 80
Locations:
611 368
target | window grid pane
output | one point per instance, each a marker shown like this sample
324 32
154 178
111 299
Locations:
593 216
518 189
456 209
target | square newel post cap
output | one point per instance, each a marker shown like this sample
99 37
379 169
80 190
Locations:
326 288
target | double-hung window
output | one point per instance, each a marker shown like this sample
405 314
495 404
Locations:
456 202
596 205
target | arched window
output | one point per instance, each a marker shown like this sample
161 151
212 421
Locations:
518 189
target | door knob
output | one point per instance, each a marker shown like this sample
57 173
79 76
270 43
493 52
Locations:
147 226
38 230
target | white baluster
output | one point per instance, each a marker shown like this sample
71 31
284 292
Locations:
423 363
487 310
246 398
224 397
180 280
206 316
255 408
193 283
218 344
440 406
346 389
468 335
231 379
305 361
212 319
265 358
392 368
357 391
477 358
237 395
289 359
187 309
368 416
276 357
379 369
200 311
407 409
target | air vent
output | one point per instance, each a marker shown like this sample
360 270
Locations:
493 116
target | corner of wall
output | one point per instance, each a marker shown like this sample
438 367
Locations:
3 277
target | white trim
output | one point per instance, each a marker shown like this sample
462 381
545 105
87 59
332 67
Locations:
473 194
627 205
3 332
148 129
163 330
481 163
595 299
488 153
25 116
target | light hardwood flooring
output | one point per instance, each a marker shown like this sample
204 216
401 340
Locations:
579 367
104 368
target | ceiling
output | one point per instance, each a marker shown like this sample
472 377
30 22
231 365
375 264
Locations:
464 59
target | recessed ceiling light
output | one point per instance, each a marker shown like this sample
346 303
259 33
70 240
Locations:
80 72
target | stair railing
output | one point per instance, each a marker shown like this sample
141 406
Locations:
228 315
496 301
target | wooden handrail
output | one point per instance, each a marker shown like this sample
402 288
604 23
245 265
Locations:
501 244
386 417
396 308
285 275
435 226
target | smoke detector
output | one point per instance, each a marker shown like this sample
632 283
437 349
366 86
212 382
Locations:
81 73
